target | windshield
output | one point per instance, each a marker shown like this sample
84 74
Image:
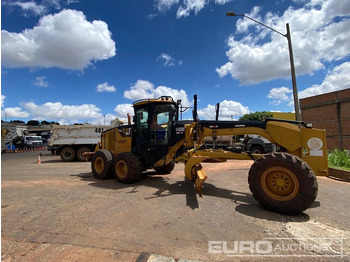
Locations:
33 138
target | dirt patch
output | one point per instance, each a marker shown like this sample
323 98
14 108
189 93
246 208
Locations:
22 251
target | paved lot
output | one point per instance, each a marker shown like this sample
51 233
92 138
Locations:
58 212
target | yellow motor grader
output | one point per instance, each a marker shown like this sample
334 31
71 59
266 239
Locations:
283 181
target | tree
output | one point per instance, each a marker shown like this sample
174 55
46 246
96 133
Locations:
33 123
257 116
17 121
44 122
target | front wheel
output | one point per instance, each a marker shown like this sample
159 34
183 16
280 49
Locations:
283 183
165 170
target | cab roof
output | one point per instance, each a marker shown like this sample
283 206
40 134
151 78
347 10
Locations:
162 99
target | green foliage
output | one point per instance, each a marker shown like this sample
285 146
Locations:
257 116
33 123
17 121
338 158
44 122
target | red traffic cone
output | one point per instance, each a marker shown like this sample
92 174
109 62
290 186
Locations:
39 160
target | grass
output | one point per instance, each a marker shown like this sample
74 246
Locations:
339 159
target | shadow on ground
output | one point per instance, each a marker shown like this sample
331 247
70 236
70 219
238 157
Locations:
246 204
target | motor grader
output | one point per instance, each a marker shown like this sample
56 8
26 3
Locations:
283 181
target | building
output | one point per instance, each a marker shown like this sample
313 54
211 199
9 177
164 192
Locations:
330 111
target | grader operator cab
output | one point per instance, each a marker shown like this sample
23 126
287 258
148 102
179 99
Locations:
283 181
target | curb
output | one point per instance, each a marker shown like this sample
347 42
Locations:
339 174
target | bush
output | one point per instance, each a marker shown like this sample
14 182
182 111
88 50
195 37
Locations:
338 158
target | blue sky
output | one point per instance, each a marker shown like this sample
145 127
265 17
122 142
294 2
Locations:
87 61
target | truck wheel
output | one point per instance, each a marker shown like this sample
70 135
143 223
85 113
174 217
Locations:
80 152
283 183
67 154
127 168
101 164
256 149
165 169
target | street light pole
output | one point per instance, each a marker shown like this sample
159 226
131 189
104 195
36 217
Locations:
292 68
294 80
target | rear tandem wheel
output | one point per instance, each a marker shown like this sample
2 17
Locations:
127 167
101 164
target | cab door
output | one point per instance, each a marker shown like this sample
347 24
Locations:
152 129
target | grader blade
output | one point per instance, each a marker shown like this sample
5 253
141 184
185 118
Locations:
200 178
195 172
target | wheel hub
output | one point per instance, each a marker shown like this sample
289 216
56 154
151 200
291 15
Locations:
99 165
280 183
122 169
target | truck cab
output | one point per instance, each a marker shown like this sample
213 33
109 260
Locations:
32 141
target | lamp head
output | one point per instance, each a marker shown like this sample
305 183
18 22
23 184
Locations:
231 13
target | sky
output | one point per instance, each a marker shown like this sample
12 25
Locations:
86 61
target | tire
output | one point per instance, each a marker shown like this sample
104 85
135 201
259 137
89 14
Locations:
67 154
127 168
283 183
256 149
80 152
101 164
165 170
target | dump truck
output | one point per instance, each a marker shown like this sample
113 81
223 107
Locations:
283 181
71 141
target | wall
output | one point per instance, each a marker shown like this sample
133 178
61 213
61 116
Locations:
330 111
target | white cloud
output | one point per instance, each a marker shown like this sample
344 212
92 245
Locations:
3 100
104 120
186 7
14 112
279 95
65 40
29 7
165 5
70 113
122 111
41 81
189 6
222 2
144 89
337 79
228 110
33 8
105 87
263 55
168 60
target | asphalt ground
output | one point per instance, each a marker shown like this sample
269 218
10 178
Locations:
56 211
